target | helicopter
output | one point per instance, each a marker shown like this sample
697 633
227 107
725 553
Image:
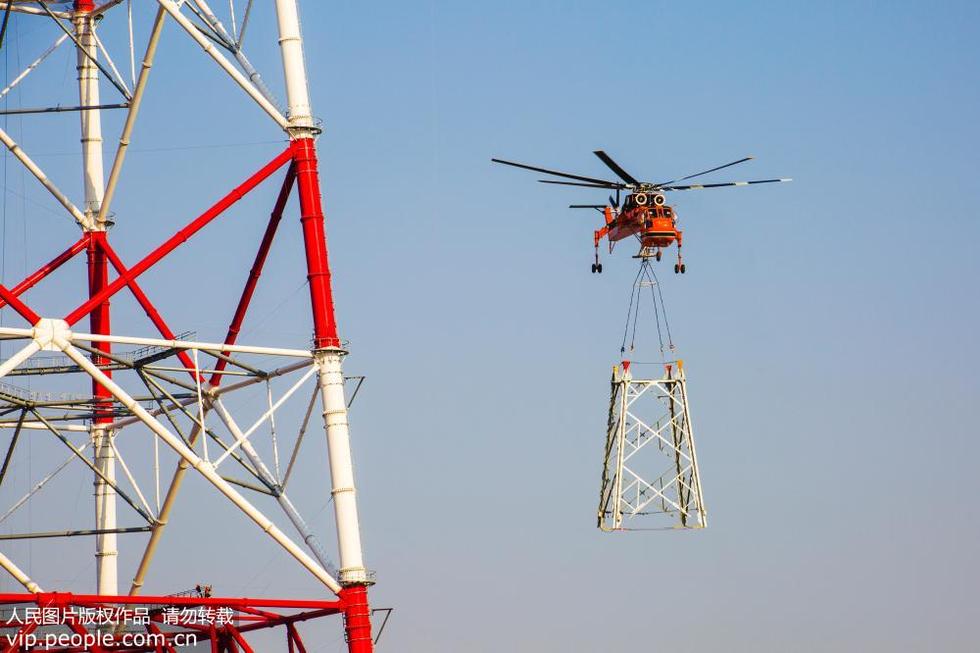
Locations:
643 212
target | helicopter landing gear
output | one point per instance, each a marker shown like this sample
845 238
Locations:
659 254
679 267
597 266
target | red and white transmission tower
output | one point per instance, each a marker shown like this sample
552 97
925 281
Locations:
179 392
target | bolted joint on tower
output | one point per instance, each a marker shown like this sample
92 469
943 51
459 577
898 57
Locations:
650 476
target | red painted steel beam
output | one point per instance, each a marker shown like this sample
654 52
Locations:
152 628
253 276
357 613
49 267
97 600
147 305
181 236
289 619
79 629
24 631
315 244
238 638
99 322
296 638
357 619
20 307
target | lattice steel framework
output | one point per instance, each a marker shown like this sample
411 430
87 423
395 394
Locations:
650 473
180 392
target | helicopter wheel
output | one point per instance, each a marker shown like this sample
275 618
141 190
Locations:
683 268
593 268
598 268
659 254
677 268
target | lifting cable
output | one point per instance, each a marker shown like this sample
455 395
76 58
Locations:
646 278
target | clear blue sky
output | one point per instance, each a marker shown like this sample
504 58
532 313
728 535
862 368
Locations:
828 325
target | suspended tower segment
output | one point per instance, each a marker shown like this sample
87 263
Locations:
650 476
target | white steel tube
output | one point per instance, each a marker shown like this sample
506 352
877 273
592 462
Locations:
44 481
253 74
19 575
8 333
191 344
702 513
38 426
134 108
620 445
287 506
294 66
129 421
112 64
203 467
93 177
225 389
37 62
163 517
242 438
20 8
11 363
174 10
106 554
91 120
212 392
33 168
329 363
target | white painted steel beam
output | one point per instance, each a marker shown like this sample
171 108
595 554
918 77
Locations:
37 62
131 114
300 111
19 575
174 10
17 7
35 170
295 517
63 341
352 570
191 344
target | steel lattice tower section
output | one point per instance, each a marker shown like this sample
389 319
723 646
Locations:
111 408
650 477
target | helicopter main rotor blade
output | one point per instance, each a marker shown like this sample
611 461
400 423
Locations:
587 206
727 183
615 167
554 172
607 185
698 174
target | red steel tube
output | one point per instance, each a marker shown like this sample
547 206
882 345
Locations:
46 269
253 276
315 242
294 637
147 305
181 236
20 307
99 321
357 613
25 630
96 600
357 619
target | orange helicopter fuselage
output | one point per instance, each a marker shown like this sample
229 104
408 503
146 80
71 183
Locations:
655 226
